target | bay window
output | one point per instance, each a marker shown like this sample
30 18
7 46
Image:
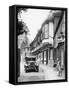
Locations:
45 31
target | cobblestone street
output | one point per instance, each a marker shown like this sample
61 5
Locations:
45 73
32 76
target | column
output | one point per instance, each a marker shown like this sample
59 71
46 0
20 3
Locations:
62 57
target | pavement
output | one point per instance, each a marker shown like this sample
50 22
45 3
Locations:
46 72
51 73
31 76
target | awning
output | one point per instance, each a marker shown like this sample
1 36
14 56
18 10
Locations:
42 47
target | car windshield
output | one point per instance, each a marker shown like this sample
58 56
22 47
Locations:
29 60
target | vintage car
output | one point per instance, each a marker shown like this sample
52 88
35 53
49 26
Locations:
30 64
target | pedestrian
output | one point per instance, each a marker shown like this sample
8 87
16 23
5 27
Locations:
59 68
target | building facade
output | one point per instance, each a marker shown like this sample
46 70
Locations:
42 45
49 43
23 49
59 39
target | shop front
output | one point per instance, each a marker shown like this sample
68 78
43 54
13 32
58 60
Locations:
61 52
44 55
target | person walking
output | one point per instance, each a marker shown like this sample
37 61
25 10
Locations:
59 68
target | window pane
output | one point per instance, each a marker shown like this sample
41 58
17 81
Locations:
43 32
46 31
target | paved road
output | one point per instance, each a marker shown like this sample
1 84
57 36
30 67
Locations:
45 73
32 76
51 74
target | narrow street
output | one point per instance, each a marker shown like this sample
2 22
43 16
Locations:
45 73
46 48
31 76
